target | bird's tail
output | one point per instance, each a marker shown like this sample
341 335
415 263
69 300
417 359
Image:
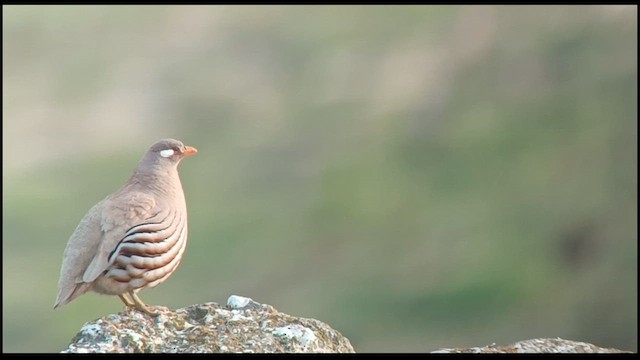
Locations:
65 296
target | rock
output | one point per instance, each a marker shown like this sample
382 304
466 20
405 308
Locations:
536 346
243 326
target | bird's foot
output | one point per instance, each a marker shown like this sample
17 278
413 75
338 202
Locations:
146 310
140 306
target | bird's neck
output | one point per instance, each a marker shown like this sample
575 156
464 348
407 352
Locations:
161 180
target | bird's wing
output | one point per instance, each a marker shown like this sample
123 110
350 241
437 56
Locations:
96 236
84 241
119 214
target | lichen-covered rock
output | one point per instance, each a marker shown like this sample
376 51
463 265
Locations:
536 346
243 326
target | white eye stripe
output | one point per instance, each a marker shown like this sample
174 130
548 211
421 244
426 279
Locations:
166 153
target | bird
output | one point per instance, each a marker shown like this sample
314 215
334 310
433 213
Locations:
135 237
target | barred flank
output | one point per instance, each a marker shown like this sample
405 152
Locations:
149 252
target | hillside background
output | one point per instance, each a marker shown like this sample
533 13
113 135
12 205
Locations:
417 177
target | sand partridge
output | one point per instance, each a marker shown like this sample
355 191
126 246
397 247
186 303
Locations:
135 237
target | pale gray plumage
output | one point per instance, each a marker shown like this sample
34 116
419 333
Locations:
135 237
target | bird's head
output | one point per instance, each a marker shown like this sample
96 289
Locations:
165 155
171 149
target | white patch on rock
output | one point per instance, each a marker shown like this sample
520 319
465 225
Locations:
238 302
208 319
299 332
135 337
238 317
223 312
91 330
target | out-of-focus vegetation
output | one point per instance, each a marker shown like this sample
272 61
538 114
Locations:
415 176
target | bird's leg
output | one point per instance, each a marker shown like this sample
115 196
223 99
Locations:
126 301
140 305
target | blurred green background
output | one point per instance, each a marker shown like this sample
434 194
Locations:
417 177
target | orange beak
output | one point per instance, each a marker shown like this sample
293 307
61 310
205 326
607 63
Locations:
189 150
